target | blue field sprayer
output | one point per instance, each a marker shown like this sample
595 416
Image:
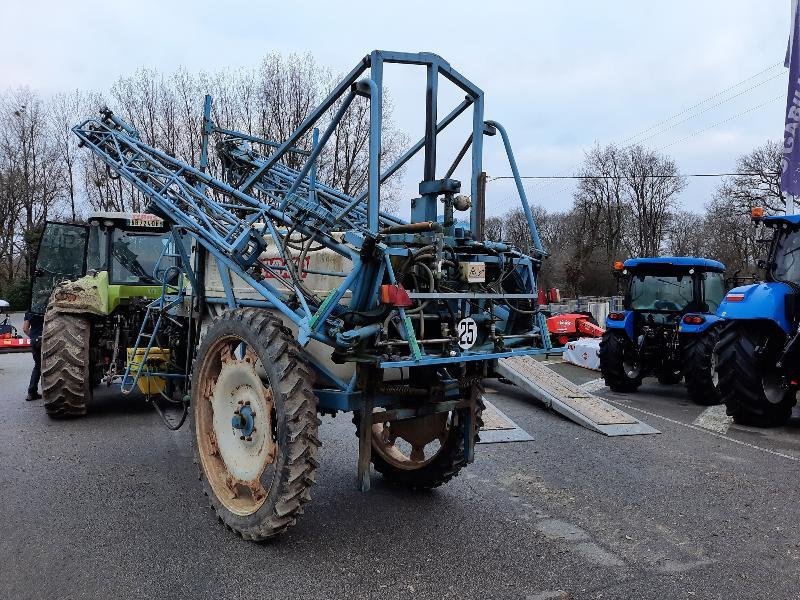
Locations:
297 299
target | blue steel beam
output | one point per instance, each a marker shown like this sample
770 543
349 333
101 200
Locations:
537 243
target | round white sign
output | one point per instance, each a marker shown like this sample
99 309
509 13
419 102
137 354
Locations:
467 333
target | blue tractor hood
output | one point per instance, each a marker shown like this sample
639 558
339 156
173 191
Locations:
765 301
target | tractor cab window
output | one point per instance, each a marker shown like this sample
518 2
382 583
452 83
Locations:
670 293
786 253
141 258
95 254
713 290
61 257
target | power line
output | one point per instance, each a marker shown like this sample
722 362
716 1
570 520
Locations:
658 176
543 187
728 120
702 112
711 97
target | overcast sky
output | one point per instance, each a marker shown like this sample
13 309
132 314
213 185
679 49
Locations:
559 75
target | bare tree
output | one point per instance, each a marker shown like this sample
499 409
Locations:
32 167
687 234
652 185
758 182
493 228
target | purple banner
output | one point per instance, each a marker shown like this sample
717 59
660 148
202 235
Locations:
790 163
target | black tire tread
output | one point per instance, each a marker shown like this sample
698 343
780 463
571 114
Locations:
611 367
696 351
740 378
66 369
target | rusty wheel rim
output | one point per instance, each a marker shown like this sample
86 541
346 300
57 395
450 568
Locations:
234 426
412 444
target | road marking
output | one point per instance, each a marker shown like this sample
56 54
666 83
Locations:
714 419
706 431
594 385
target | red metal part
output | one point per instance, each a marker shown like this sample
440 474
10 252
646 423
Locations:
9 343
396 295
589 329
572 326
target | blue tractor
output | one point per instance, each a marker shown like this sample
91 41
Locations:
667 328
759 345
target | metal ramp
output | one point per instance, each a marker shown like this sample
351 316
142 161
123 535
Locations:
568 399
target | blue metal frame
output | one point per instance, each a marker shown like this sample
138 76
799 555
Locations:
260 196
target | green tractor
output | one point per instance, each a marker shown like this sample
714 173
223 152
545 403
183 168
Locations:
93 284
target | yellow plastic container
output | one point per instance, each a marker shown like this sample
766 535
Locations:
157 360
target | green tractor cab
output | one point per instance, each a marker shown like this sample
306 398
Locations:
93 284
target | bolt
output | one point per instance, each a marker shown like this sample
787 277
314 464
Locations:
249 439
247 403
253 414
240 401
236 412
241 437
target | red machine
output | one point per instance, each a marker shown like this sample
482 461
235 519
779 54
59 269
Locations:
14 343
10 340
571 326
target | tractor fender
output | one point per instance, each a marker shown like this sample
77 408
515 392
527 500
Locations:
89 294
765 301
710 321
626 324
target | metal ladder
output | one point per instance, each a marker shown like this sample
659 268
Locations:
167 300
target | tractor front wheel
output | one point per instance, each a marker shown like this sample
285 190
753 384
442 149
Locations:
749 382
700 358
66 367
619 364
255 417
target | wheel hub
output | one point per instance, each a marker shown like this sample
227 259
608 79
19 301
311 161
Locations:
242 413
244 420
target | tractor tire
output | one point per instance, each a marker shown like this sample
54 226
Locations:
66 367
613 364
438 469
748 382
700 367
257 480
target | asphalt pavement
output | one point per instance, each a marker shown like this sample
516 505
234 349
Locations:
109 506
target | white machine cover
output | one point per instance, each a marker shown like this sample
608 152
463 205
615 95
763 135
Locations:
584 353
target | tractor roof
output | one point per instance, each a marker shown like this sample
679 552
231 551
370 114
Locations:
675 261
774 219
129 219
